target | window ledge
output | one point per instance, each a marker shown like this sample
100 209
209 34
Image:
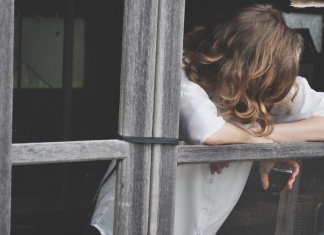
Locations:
249 152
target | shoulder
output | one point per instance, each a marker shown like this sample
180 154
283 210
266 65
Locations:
198 114
303 85
299 88
191 89
303 102
302 92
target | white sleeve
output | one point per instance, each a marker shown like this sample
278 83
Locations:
307 103
198 114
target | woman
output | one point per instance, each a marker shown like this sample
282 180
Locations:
239 85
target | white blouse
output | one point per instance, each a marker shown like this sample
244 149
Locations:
203 201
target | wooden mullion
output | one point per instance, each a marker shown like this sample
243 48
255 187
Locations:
138 68
166 115
237 152
73 151
162 191
132 192
6 83
136 115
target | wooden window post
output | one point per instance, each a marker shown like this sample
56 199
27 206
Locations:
6 81
166 115
149 107
136 114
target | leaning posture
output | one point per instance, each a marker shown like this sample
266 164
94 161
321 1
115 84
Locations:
239 85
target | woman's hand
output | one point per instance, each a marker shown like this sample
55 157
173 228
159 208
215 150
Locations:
232 134
266 166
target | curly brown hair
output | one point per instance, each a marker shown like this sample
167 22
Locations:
246 64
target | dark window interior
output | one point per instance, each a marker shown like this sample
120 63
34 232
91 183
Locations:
56 199
39 113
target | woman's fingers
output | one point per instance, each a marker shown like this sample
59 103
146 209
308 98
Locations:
265 168
218 167
294 166
264 180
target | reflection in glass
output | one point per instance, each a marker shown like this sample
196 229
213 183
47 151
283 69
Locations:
39 52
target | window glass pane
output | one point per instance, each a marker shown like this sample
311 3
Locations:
44 109
41 52
78 53
57 199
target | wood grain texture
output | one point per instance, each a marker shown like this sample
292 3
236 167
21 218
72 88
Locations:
6 78
132 192
201 154
166 115
74 151
162 192
136 114
138 68
168 68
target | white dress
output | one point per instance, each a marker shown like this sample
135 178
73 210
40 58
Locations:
203 201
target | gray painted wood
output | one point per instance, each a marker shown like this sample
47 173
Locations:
74 151
201 154
136 114
162 192
6 77
132 192
166 115
138 68
168 68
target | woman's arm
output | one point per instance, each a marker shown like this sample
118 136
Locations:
310 129
232 134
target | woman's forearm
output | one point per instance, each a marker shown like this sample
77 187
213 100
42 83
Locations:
311 129
232 134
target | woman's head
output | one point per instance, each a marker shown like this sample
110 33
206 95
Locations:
250 61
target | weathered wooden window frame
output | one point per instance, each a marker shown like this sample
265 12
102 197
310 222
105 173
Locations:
149 107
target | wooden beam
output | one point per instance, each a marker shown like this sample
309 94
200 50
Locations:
74 151
162 191
138 68
136 115
6 78
307 3
168 68
201 154
132 192
166 115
